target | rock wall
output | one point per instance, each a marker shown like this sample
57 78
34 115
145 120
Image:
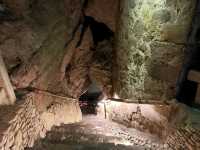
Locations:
176 125
154 119
52 33
103 11
48 46
150 47
23 123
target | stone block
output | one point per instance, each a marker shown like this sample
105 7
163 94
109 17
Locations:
194 76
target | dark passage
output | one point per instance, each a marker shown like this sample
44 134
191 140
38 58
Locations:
99 30
89 100
187 90
5 13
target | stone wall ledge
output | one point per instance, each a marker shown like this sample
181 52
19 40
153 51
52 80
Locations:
30 118
135 101
160 119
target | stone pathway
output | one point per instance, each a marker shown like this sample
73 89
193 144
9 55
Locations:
94 133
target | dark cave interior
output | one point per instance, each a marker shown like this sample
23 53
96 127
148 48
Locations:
99 74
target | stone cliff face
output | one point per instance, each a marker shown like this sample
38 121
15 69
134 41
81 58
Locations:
150 45
63 46
48 46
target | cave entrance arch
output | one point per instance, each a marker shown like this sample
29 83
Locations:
90 98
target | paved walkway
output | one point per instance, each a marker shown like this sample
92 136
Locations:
94 133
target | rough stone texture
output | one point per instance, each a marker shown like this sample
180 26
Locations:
93 133
75 66
38 73
34 45
186 135
101 134
176 125
17 44
101 68
154 119
18 8
81 65
41 48
150 47
25 122
103 11
184 138
21 39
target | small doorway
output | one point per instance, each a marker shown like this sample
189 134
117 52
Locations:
89 100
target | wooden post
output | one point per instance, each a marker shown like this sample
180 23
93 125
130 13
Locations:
7 88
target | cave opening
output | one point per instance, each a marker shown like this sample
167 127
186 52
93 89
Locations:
186 85
100 31
188 82
89 100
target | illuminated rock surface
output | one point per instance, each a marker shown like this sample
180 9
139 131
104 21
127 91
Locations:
29 119
55 49
150 44
99 134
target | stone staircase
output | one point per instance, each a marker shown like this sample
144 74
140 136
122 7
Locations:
93 133
100 134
